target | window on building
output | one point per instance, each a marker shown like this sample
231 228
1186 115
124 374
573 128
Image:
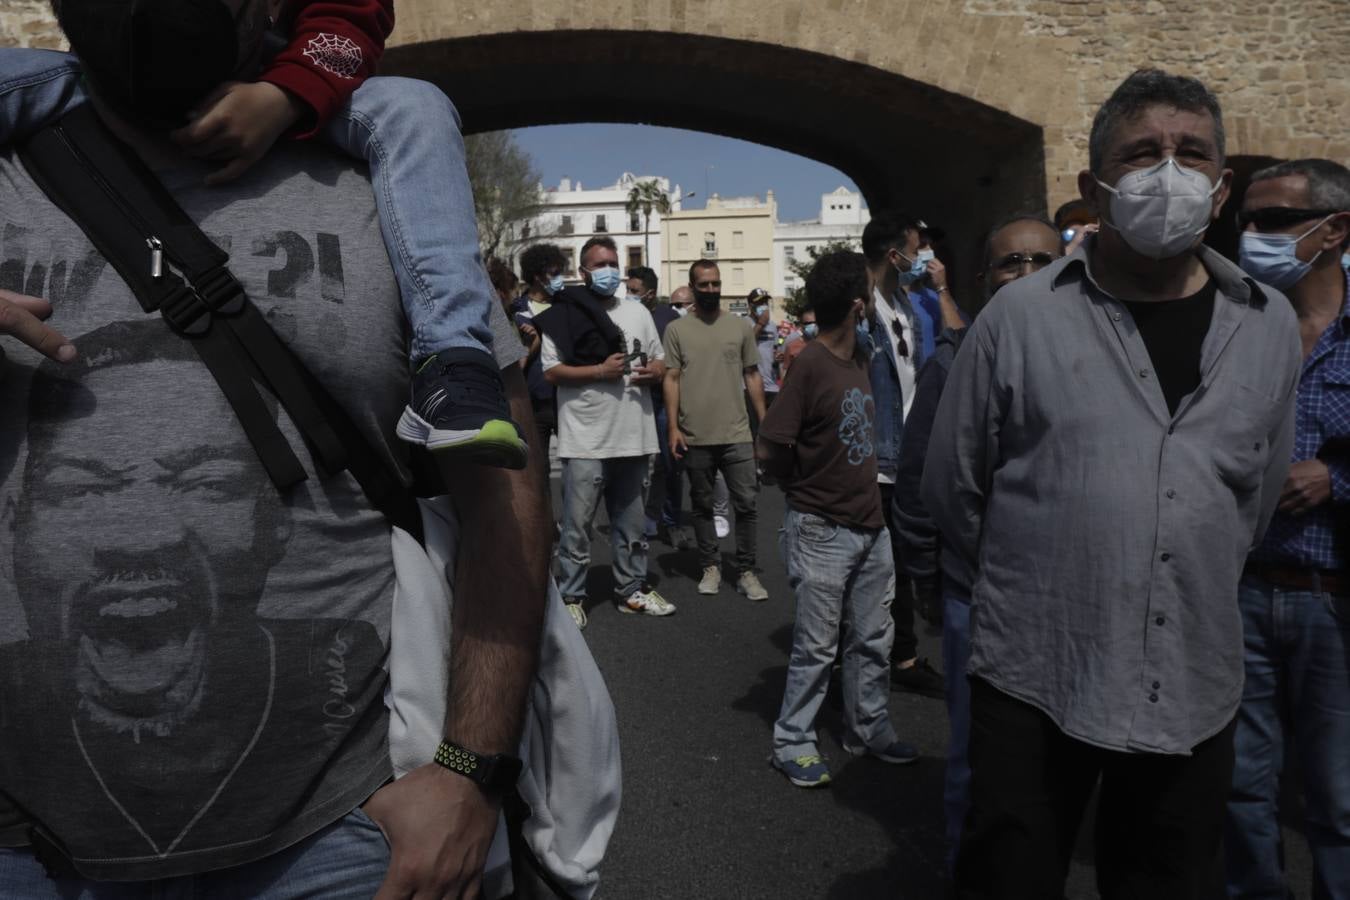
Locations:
634 257
682 241
790 253
600 225
737 275
635 222
566 226
737 240
525 232
709 242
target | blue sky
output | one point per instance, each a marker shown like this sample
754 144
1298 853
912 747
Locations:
599 154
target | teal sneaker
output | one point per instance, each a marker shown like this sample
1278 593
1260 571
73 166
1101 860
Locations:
459 407
804 771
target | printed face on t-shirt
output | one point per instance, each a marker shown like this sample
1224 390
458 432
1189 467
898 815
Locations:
136 602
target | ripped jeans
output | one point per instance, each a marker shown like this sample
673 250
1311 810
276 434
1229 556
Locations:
622 482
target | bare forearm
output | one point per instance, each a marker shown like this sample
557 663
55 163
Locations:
671 390
951 313
501 586
754 384
576 375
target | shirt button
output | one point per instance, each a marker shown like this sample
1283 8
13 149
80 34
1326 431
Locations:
1165 557
1115 317
1152 698
1171 429
1171 494
1143 373
1157 684
1159 620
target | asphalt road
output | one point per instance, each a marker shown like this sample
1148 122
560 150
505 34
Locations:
704 816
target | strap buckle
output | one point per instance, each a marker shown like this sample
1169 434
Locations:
186 312
221 291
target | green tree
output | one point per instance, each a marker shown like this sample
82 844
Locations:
505 186
646 197
795 301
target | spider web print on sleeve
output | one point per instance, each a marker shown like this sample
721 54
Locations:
336 54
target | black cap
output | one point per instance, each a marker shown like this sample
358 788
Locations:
933 233
757 294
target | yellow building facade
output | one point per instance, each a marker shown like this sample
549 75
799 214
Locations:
735 232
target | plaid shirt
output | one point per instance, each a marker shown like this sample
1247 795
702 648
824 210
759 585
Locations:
1323 416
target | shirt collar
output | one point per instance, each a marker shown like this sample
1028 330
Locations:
1232 282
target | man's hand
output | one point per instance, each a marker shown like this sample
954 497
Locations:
1307 487
21 317
439 826
678 445
612 368
938 273
237 124
1080 234
652 373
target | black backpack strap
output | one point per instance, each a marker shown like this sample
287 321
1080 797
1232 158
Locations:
155 212
138 227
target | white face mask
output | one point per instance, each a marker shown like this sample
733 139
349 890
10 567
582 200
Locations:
1163 210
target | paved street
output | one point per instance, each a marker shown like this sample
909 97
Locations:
704 816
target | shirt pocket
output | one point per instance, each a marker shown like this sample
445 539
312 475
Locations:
1333 414
1241 447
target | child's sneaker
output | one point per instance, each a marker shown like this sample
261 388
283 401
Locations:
804 771
459 406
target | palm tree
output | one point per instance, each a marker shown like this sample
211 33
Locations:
644 197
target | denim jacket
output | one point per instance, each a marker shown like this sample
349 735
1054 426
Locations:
884 372
36 86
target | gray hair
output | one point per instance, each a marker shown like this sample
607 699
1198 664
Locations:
1328 182
1145 88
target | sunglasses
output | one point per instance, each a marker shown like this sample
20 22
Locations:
1278 218
1014 261
899 331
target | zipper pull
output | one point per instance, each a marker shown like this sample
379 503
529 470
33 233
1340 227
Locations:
156 257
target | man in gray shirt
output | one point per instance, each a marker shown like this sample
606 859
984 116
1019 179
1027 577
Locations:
1112 441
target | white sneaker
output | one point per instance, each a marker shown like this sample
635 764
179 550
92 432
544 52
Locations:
647 602
722 525
748 584
711 582
578 614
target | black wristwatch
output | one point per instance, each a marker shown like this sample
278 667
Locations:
496 774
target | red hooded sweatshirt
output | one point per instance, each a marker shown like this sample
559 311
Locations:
334 46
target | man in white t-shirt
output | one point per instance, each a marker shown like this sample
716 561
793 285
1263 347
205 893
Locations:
606 436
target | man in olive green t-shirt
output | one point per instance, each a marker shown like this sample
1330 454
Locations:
711 361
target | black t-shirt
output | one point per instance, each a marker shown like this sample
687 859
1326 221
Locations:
1174 333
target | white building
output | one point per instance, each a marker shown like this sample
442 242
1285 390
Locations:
572 215
842 218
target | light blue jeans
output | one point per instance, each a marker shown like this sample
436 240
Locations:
622 483
408 132
955 659
832 570
1297 686
345 861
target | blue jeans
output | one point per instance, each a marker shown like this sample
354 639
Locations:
1297 685
665 501
408 132
346 861
622 482
836 570
955 658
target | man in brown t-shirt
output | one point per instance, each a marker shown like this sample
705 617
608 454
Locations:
818 440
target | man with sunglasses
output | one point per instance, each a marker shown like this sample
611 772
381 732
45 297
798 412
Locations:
1112 440
892 341
1015 249
1295 595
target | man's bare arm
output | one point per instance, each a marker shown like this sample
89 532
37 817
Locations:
754 383
670 389
440 824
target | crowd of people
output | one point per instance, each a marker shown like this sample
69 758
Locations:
1115 476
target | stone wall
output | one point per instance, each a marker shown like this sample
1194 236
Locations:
1280 67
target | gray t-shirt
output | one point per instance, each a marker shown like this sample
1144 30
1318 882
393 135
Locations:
192 665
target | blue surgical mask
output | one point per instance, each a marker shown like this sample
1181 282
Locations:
555 285
810 330
760 310
605 281
917 270
1272 258
1345 260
